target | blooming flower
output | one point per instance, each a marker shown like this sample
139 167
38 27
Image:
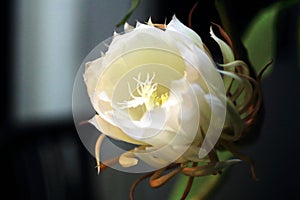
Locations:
157 87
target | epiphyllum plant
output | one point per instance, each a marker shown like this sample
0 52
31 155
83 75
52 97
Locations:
157 87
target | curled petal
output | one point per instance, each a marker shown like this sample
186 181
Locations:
97 151
225 49
128 159
157 180
224 35
241 66
209 169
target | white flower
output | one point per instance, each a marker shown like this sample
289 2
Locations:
159 88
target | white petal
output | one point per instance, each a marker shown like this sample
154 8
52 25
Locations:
150 23
115 34
140 25
151 158
92 74
103 97
112 131
176 25
225 49
128 27
97 150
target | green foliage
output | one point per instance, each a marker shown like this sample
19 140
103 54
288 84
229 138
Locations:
260 37
134 5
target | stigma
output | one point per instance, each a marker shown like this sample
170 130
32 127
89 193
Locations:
145 94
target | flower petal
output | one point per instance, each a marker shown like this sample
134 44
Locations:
112 131
150 157
128 159
225 49
91 74
128 27
176 25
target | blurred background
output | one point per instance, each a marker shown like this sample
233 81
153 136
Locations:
43 44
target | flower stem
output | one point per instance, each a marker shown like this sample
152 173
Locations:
131 195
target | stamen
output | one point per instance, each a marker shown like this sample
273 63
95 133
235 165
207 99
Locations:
147 94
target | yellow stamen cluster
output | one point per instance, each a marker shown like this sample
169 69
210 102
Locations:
148 95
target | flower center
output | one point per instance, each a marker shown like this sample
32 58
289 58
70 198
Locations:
146 97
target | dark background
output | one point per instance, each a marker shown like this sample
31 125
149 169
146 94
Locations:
44 158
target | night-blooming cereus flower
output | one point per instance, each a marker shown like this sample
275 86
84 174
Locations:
157 87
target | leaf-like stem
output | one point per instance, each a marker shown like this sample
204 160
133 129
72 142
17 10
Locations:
134 5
